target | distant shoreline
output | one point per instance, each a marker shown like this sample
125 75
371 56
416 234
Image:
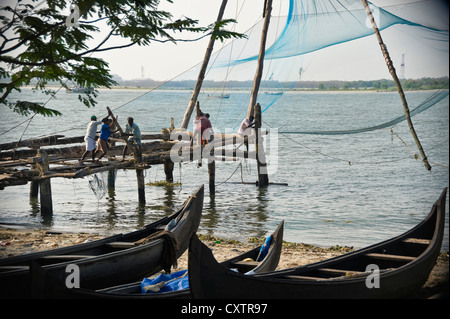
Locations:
312 90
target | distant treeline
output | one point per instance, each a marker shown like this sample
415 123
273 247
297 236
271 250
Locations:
383 84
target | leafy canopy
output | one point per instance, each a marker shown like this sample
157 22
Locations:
44 42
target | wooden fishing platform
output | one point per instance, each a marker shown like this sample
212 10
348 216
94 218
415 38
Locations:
41 159
38 160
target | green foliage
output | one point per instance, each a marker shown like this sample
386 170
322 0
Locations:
43 43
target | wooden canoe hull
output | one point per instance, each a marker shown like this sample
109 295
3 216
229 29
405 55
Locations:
133 290
100 264
404 262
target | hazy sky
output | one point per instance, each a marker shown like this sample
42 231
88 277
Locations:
164 61
356 60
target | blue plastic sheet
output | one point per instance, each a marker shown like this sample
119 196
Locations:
177 282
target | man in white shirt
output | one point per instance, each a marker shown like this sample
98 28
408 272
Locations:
245 129
89 138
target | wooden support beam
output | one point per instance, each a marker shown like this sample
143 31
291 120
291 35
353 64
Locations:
263 178
168 164
34 186
212 177
45 187
201 75
391 69
48 140
168 169
112 173
141 186
262 50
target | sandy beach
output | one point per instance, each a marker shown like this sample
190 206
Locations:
18 241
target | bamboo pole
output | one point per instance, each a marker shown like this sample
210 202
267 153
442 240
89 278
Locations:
391 68
201 76
262 50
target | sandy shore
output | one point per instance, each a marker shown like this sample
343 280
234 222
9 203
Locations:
14 242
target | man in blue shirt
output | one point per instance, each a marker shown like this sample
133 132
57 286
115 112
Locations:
105 133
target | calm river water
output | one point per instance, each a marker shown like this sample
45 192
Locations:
353 190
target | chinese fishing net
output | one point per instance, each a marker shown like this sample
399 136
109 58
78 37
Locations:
303 34
98 184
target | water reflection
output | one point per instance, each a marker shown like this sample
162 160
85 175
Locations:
210 217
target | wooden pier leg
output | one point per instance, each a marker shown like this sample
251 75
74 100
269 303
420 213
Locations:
263 178
141 186
168 170
212 177
112 178
34 187
45 186
46 196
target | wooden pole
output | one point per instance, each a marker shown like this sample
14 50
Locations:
34 186
111 178
212 177
262 50
167 163
391 68
263 178
45 186
201 76
141 186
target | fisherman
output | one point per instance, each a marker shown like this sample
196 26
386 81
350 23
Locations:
245 130
89 138
202 124
105 133
132 130
206 131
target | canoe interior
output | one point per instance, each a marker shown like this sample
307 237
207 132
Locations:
404 264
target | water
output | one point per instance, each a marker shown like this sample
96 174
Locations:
353 190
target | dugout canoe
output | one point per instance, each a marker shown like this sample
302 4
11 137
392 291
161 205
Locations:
248 262
395 268
110 261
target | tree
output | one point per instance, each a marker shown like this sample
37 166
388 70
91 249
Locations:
46 41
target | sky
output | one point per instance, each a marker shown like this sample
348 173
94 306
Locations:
356 60
165 61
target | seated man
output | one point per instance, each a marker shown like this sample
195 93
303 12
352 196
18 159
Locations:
245 130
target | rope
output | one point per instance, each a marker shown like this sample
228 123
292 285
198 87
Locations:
239 165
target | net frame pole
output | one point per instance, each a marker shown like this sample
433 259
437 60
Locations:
391 68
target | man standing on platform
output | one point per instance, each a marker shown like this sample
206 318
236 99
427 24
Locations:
132 130
90 138
245 130
105 133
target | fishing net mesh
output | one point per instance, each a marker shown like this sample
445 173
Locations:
306 29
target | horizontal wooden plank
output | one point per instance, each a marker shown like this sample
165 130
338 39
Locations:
245 263
391 257
9 268
296 277
341 272
67 257
120 245
418 241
